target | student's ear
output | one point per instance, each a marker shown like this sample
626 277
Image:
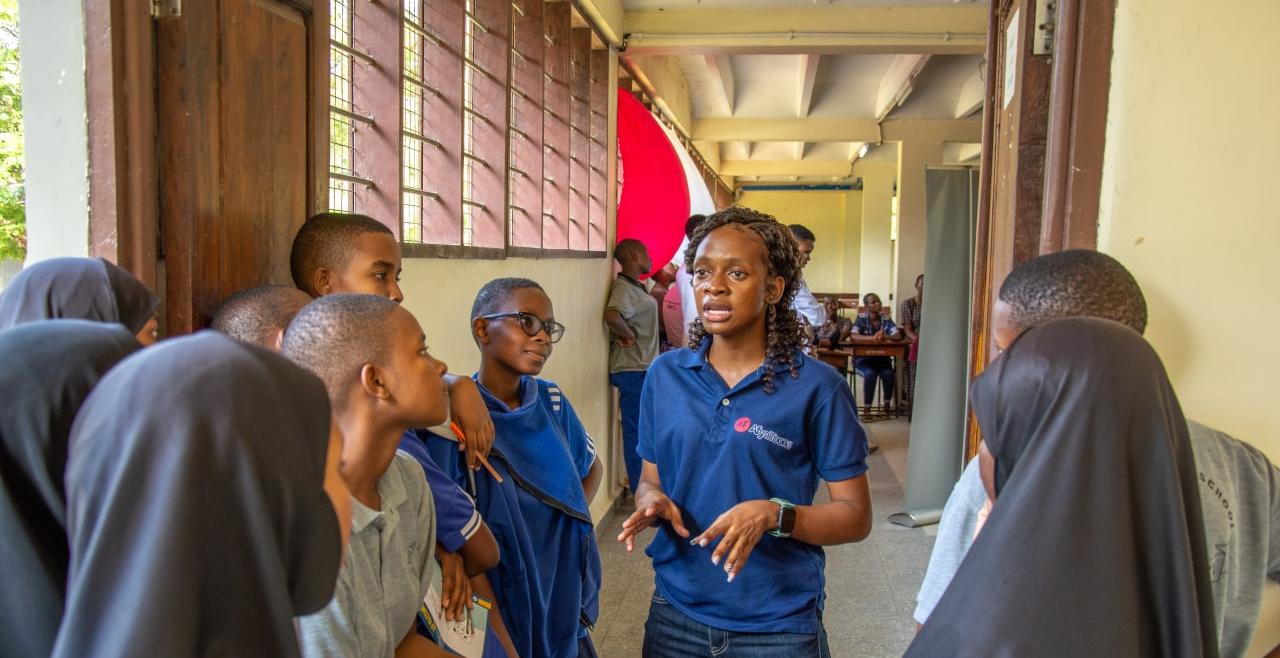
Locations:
480 329
373 383
278 343
322 281
774 288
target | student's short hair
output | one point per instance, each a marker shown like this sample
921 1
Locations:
802 232
328 240
335 335
497 292
1077 282
691 224
625 248
255 315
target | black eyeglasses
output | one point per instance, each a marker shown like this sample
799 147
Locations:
531 324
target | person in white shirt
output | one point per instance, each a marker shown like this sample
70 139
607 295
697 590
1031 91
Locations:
805 304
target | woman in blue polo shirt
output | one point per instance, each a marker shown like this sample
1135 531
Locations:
735 432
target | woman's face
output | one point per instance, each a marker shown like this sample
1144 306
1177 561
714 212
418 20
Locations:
731 281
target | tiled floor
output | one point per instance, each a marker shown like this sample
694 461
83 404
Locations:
871 585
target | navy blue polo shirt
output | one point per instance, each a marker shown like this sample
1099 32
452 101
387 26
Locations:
716 447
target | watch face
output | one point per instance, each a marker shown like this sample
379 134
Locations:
788 520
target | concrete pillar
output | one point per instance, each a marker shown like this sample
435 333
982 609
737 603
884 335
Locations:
55 126
875 270
913 156
852 248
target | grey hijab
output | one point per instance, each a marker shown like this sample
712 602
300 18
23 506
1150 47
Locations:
1095 544
50 368
77 288
198 521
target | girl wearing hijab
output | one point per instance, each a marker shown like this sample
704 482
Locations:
70 357
82 289
198 518
1094 546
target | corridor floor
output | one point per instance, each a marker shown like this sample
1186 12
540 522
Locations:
871 585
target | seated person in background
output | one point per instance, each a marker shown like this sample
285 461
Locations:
259 316
874 326
549 578
341 252
805 304
1243 537
1095 544
372 357
90 289
837 329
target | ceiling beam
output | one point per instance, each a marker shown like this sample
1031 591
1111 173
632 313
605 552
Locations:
827 29
808 74
785 168
835 130
721 70
971 94
895 86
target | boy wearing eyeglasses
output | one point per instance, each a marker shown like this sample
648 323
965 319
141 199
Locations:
548 579
632 317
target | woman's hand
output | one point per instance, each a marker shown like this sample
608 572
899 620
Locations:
455 583
468 411
651 506
742 527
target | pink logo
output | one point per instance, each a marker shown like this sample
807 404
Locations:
743 424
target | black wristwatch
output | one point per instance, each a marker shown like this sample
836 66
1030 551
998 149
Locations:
786 518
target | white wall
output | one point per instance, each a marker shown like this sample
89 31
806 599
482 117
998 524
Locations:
55 127
1189 205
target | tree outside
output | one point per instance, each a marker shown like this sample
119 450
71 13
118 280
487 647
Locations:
13 212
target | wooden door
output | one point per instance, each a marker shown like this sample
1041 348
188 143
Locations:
241 142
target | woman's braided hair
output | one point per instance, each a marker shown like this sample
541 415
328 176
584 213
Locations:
784 334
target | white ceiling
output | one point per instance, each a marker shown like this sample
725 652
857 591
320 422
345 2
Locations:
819 85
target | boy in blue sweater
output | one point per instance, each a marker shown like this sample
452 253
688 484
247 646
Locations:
547 583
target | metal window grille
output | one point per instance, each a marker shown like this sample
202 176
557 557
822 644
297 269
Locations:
413 115
341 123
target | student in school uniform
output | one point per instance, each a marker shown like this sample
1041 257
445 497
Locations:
70 357
1242 535
632 317
548 580
678 308
353 253
735 434
874 326
259 316
372 356
1095 542
91 289
467 548
199 508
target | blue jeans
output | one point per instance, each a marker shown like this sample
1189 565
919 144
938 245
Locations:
629 385
670 634
872 368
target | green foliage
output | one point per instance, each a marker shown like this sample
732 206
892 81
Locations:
13 213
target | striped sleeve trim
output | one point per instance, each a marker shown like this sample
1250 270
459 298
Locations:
473 526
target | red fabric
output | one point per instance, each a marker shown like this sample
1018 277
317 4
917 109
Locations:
653 198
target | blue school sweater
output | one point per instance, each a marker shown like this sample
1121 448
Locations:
550 566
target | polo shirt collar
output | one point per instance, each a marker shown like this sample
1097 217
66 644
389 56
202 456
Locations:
697 359
392 492
528 395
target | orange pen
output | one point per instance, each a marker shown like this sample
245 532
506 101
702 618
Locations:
485 462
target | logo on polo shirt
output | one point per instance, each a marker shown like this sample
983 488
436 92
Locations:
744 424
